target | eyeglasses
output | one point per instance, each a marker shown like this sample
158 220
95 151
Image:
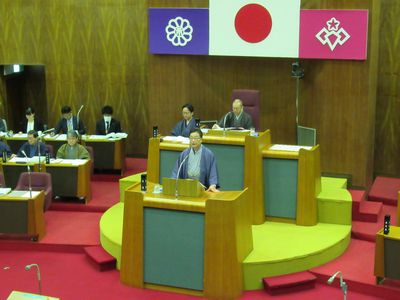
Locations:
195 138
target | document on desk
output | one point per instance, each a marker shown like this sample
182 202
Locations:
176 139
61 137
20 135
294 148
74 162
4 191
24 160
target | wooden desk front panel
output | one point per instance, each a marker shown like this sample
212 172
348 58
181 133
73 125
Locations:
70 180
22 216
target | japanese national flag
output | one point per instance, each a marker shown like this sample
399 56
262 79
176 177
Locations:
255 28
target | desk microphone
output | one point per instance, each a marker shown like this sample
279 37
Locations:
225 120
48 131
77 117
29 173
177 175
28 267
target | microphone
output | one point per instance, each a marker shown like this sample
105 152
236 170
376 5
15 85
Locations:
77 117
177 174
29 173
48 131
343 284
28 267
225 120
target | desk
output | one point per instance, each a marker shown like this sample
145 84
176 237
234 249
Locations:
387 254
12 170
192 245
21 215
70 178
291 181
108 153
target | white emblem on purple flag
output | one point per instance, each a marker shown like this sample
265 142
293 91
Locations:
179 31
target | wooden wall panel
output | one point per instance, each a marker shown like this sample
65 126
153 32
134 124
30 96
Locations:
94 52
387 142
339 97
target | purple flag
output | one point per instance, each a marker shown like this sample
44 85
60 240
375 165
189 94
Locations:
178 31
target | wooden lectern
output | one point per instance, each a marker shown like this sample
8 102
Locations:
194 245
182 187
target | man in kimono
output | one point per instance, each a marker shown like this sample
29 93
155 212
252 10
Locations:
197 162
237 118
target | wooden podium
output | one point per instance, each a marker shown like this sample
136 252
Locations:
182 187
194 245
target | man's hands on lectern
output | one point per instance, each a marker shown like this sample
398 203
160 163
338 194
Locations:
213 188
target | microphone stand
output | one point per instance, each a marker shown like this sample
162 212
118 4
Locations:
28 267
38 145
29 174
343 284
177 176
225 122
77 118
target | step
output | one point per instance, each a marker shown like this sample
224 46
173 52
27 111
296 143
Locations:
385 189
357 196
289 283
369 211
100 258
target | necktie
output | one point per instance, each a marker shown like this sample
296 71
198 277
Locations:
107 126
69 125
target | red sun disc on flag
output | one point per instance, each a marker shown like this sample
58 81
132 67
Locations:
253 23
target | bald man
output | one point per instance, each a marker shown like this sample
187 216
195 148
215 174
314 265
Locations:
238 119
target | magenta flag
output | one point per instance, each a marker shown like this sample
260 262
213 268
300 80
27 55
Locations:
333 34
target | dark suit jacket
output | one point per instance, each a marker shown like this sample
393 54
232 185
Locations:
26 148
63 128
37 125
115 126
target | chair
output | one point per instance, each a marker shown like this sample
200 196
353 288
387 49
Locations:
40 182
251 104
91 153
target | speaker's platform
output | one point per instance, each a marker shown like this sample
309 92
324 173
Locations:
279 248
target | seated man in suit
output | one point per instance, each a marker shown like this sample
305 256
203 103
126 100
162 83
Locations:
239 118
198 162
72 150
33 147
69 122
107 124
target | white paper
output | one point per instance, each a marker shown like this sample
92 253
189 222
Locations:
74 162
176 139
294 148
20 135
4 191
